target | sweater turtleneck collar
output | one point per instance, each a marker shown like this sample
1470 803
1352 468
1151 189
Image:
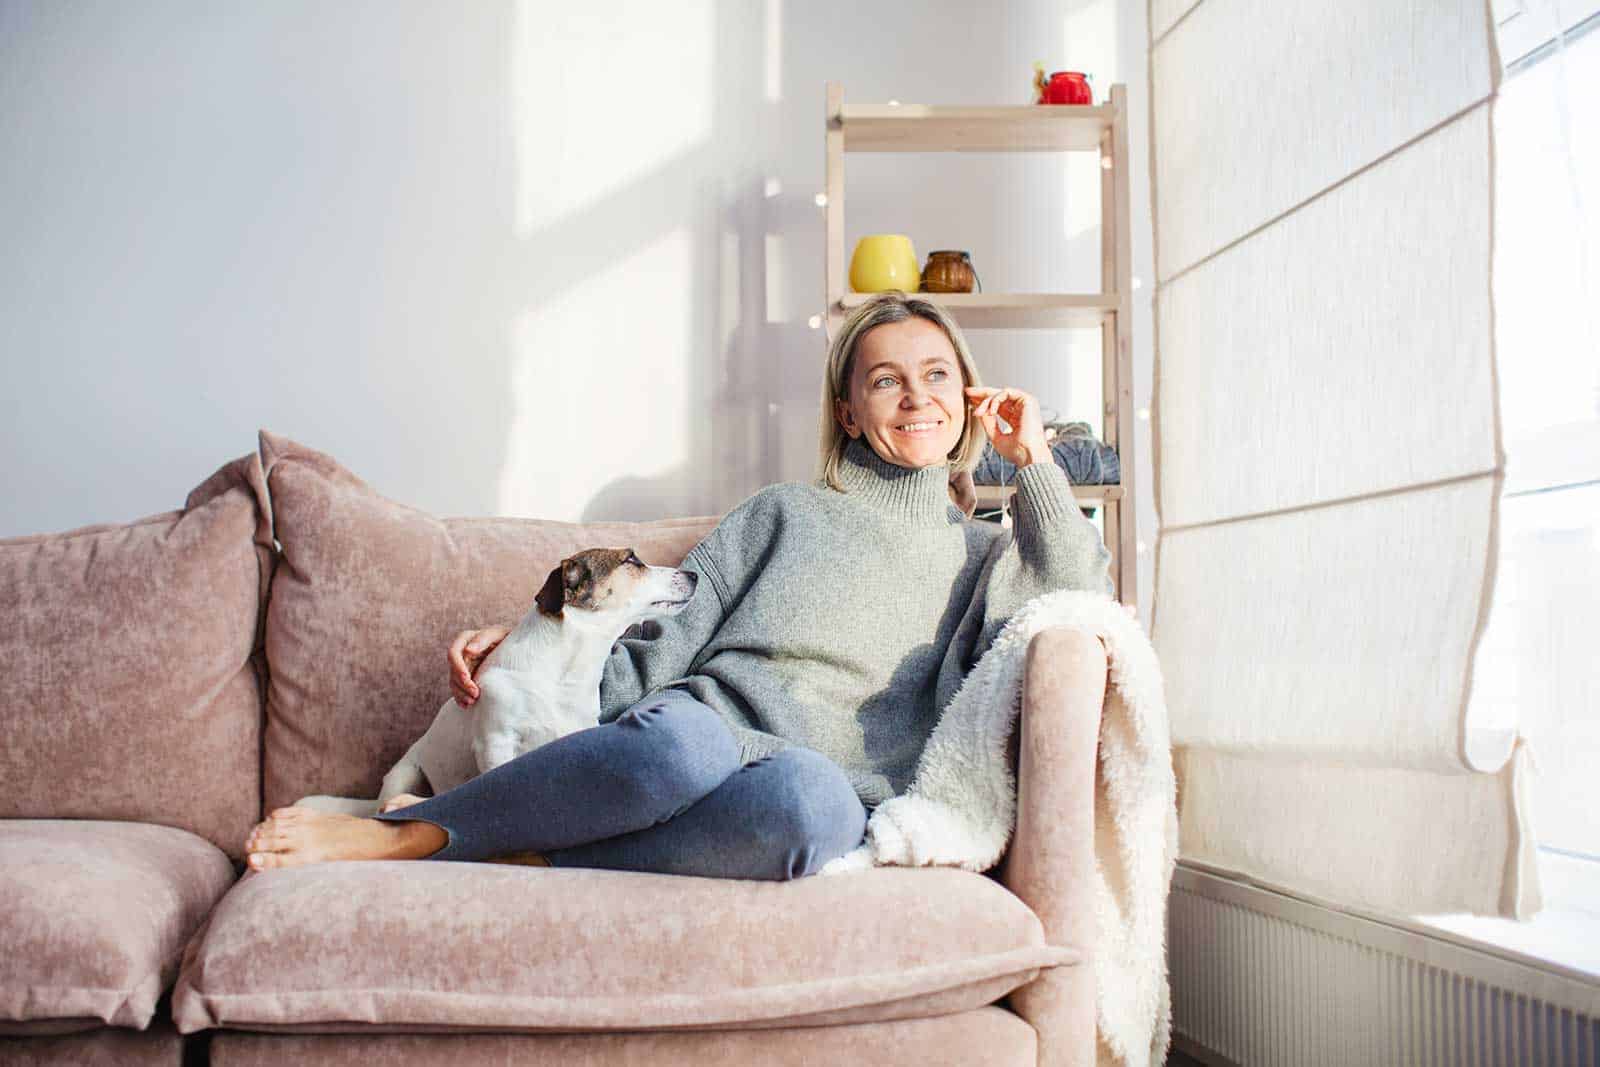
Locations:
918 494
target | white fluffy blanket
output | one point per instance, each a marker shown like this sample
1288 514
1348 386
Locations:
961 807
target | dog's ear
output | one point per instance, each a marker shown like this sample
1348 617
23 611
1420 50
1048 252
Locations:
578 576
553 595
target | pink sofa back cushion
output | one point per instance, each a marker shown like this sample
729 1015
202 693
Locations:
365 600
127 684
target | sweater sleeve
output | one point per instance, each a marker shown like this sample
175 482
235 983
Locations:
667 645
1051 546
669 648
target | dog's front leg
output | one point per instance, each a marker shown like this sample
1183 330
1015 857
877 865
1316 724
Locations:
405 777
494 749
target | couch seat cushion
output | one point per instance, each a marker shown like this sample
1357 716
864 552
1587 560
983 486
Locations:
96 917
445 945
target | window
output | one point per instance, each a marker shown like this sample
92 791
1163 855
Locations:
1538 666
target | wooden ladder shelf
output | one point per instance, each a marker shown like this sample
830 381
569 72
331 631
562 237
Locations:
1103 129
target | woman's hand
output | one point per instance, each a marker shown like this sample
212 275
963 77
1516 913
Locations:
1025 443
467 653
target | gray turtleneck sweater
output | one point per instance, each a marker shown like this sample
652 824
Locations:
845 622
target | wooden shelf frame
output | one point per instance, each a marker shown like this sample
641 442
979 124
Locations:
1102 128
935 128
1014 310
993 496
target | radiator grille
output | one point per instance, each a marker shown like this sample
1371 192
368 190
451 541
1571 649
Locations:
1261 990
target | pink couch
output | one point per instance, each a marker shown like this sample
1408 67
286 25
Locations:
167 681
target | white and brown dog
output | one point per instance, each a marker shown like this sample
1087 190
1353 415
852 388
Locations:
542 681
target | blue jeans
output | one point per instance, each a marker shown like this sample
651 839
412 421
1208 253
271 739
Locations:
660 788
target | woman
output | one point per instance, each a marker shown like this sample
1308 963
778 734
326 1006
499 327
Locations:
751 736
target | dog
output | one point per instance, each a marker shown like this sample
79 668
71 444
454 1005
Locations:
542 681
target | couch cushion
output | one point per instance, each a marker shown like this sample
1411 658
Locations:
396 946
366 599
96 917
129 658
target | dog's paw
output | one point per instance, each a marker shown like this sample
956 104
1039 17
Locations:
402 800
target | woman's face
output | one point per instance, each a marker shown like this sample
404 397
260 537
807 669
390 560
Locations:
906 393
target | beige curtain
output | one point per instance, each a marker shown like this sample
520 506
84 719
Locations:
1328 460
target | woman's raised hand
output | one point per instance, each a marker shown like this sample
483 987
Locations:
1025 443
467 653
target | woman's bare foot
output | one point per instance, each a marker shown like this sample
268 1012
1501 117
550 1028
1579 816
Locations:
294 835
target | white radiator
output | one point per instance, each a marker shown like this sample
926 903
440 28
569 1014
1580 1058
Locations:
1260 978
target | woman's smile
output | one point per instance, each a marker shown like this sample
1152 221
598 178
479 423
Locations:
921 428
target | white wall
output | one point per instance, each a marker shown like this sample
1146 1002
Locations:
497 258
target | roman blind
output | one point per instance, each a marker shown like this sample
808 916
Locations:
1328 459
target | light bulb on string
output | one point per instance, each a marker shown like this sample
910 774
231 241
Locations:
1005 510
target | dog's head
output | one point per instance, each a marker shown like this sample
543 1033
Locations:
612 588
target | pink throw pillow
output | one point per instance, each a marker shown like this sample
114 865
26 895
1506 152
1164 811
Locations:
129 665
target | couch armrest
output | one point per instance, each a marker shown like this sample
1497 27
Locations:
1050 862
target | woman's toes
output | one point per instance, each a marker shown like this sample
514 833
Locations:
270 834
260 861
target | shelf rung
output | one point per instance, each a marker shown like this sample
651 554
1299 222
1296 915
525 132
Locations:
938 128
993 496
1013 310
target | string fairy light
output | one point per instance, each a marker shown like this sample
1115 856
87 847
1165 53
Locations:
1005 504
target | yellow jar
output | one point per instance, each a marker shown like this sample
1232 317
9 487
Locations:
884 261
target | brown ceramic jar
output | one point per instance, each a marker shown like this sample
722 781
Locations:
949 271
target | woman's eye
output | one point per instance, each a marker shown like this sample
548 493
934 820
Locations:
936 372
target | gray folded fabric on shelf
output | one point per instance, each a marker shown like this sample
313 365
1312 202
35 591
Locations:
1086 460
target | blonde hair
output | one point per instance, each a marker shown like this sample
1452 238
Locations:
893 305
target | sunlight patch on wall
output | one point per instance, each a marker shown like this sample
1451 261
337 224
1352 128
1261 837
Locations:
1089 32
779 289
729 264
600 384
774 52
601 98
1089 44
